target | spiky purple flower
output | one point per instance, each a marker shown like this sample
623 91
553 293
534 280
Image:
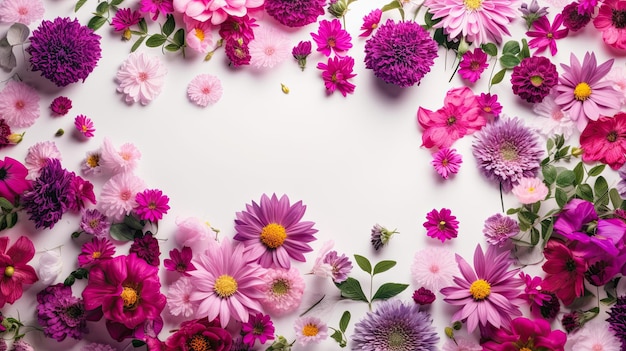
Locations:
295 13
617 319
499 228
60 313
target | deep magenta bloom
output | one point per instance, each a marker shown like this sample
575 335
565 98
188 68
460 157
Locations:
146 247
61 105
259 327
300 52
565 271
156 7
489 105
533 78
200 334
574 20
526 334
488 294
127 289
84 125
545 34
14 263
96 250
151 205
400 53
235 28
441 225
125 18
446 162
331 37
472 65
273 232
180 261
64 51
336 74
237 52
295 13
5 132
81 191
604 140
370 22
611 21
13 179
533 293
60 313
423 296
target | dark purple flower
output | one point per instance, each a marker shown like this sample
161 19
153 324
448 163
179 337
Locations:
64 51
423 296
60 313
300 52
147 248
400 53
341 266
549 309
533 78
295 13
61 105
237 52
574 20
617 319
180 261
5 132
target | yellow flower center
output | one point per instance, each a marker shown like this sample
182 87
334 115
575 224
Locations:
198 343
472 5
84 128
199 34
130 297
273 235
480 289
531 189
225 286
97 254
93 161
441 225
525 349
536 81
582 91
8 271
310 330
94 223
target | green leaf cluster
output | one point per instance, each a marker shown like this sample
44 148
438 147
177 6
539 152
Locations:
102 13
128 229
8 214
512 54
339 335
165 39
80 273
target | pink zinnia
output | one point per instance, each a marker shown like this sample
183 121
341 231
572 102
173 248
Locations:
14 263
19 104
459 116
473 64
544 35
530 190
370 22
21 11
611 21
331 37
117 198
604 140
441 225
124 19
96 250
282 290
446 162
141 78
336 74
60 105
215 10
565 271
268 48
13 182
151 205
156 7
84 125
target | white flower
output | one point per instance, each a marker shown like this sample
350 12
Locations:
50 266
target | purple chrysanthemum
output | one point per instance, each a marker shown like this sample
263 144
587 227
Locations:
395 326
507 151
574 20
423 296
146 248
617 319
60 313
64 51
295 13
400 53
533 78
50 196
273 233
499 228
341 266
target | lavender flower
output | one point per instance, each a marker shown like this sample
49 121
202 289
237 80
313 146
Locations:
341 266
64 51
60 313
95 223
499 228
531 12
381 236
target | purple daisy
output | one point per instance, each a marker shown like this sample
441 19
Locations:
507 151
259 327
273 233
296 13
533 78
473 64
331 37
441 225
400 53
446 162
499 228
60 313
395 326
95 223
487 294
64 51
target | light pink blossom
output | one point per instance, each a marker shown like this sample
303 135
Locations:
38 155
21 11
117 198
193 232
204 90
19 104
199 35
141 78
530 190
268 48
217 11
117 161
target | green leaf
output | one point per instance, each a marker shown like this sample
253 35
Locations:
137 43
121 232
549 174
102 8
96 22
5 204
525 51
579 172
509 61
565 178
344 321
383 266
168 26
490 49
179 38
428 20
388 290
116 2
156 40
11 219
69 281
585 192
549 144
547 227
562 153
143 26
498 77
597 170
616 200
608 301
18 34
511 211
172 47
3 223
79 4
601 189
351 289
561 197
534 236
511 47
394 4
138 343
364 263
337 336
559 141
133 222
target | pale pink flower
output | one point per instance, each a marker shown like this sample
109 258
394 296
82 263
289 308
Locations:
178 300
199 35
310 330
205 89
268 48
461 343
617 75
117 161
433 268
38 155
530 190
91 163
117 198
21 11
321 269
595 336
141 77
217 11
551 120
19 104
193 232
282 291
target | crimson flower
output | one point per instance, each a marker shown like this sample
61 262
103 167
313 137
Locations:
12 179
565 271
180 261
17 272
604 140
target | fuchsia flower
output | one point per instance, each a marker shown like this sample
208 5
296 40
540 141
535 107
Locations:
489 105
13 181
370 22
156 7
96 250
611 21
16 271
180 261
565 271
124 19
526 334
332 38
151 205
604 140
61 105
214 10
446 162
84 125
259 327
545 35
336 74
200 334
472 65
441 225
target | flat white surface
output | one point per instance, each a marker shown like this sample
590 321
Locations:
354 161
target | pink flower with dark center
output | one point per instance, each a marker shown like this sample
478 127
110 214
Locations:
441 225
61 105
13 181
15 269
84 125
611 21
151 205
331 37
180 261
565 271
472 65
259 327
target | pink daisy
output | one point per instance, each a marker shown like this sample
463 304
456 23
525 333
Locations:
124 160
199 35
84 125
544 34
472 65
310 330
441 225
268 48
446 162
151 205
204 90
94 251
141 78
551 120
370 22
124 19
117 198
611 21
19 104
336 74
21 11
282 290
38 155
226 284
433 268
489 106
331 37
178 298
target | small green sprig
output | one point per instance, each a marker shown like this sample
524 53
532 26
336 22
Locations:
8 214
339 335
512 54
102 13
164 39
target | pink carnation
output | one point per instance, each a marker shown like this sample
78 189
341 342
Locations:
217 11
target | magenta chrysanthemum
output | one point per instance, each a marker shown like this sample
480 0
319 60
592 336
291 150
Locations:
19 104
84 126
331 37
473 64
441 225
533 78
124 19
151 205
295 13
61 105
400 53
336 74
446 162
64 51
273 231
